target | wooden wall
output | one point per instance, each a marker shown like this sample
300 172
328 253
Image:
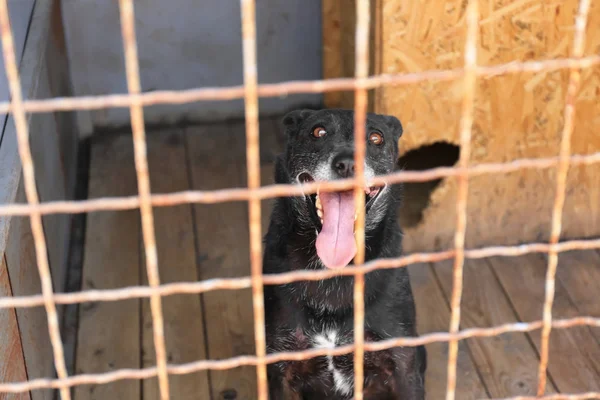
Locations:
44 74
184 44
516 116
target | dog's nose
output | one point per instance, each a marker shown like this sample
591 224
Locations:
344 166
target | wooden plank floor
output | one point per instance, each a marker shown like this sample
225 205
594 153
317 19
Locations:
198 242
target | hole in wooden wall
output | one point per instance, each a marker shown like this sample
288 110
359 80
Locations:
417 195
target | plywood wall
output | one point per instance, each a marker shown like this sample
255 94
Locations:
516 116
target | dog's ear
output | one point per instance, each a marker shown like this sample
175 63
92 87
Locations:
395 126
292 120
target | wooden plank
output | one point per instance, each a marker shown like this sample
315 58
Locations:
217 160
10 164
19 12
574 353
332 50
46 133
33 323
339 24
339 49
51 184
58 76
12 363
579 274
31 20
76 253
79 122
433 316
184 327
109 332
507 363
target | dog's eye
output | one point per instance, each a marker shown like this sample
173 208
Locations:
376 138
319 132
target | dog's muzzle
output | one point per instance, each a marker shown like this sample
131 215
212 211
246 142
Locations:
334 215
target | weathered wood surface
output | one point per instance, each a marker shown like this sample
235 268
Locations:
506 363
12 363
109 336
183 314
33 323
433 315
579 273
574 352
222 243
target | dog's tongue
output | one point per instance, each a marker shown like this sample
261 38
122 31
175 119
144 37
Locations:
335 243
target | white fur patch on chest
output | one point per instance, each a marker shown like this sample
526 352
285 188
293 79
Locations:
328 340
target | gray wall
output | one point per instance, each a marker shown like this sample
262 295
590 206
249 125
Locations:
184 44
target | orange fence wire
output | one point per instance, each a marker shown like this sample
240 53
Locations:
251 91
561 184
363 15
292 87
134 86
234 362
253 167
208 285
466 124
266 192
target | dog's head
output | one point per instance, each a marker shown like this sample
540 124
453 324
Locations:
320 147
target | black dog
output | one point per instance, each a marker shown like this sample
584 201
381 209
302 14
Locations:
317 231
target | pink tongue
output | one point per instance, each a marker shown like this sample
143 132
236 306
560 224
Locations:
335 243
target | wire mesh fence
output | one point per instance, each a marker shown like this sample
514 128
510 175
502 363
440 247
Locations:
254 193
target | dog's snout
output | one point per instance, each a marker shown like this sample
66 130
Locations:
344 166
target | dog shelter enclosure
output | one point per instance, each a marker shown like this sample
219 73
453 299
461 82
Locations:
138 276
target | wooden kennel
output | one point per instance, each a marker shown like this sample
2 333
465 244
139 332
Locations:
519 115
